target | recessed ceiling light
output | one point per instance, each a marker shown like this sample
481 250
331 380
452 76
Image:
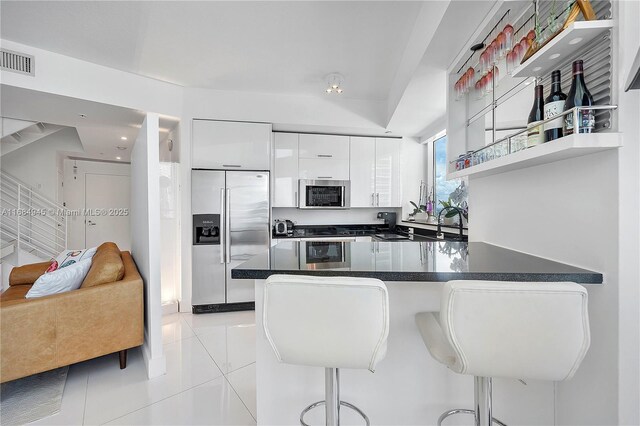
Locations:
118 158
82 115
121 148
124 138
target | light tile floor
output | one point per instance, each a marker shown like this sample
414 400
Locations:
211 378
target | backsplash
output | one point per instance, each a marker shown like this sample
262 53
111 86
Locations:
331 217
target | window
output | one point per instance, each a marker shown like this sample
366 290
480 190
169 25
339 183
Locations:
452 192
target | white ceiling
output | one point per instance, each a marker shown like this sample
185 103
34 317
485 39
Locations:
100 132
273 46
423 103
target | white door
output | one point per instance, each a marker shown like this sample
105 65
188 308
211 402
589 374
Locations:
362 171
388 188
285 170
107 202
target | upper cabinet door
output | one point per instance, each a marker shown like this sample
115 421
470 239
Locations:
388 177
363 171
324 146
230 145
285 170
323 169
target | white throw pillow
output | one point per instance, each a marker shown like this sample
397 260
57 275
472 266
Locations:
69 257
65 279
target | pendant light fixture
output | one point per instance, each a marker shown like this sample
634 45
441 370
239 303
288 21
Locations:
335 82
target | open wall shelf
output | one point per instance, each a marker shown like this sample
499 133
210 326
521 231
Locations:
560 149
576 36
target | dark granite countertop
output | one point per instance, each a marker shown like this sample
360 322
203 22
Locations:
352 231
436 261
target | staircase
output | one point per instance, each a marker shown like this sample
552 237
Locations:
29 222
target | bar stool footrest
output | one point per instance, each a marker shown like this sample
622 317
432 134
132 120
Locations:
464 411
342 403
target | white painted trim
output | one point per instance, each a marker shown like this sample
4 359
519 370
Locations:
157 366
169 308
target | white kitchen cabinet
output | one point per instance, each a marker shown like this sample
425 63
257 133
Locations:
323 168
375 172
363 171
388 177
324 146
230 145
284 174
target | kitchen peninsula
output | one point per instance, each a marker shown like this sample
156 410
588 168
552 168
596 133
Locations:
408 387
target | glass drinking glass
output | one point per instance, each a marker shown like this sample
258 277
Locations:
493 53
502 45
508 37
510 62
524 46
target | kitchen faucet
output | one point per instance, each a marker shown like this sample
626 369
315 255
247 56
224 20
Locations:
459 211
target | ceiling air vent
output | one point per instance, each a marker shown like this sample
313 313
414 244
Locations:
16 62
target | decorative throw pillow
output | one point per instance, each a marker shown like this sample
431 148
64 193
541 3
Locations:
65 279
69 257
52 267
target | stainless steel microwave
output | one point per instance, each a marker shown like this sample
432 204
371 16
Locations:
324 194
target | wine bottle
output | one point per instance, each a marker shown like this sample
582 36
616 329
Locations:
579 96
554 105
535 135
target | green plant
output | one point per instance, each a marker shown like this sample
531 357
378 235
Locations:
416 209
453 212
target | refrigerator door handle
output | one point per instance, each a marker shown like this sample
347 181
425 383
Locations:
227 227
223 217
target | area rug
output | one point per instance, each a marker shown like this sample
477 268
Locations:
32 398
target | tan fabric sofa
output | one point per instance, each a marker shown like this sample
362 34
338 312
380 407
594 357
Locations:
105 315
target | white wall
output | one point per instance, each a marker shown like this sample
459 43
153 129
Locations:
565 211
67 76
37 164
170 221
627 37
74 192
413 169
585 211
145 238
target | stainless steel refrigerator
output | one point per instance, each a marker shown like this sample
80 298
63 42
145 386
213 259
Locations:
230 224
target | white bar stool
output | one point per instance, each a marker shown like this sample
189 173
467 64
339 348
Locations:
518 330
330 322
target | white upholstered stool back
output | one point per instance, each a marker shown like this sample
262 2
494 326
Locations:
327 322
516 329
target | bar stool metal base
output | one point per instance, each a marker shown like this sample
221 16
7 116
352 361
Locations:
464 411
483 401
342 403
332 401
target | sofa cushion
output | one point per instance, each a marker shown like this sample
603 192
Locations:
17 292
106 266
27 274
60 281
